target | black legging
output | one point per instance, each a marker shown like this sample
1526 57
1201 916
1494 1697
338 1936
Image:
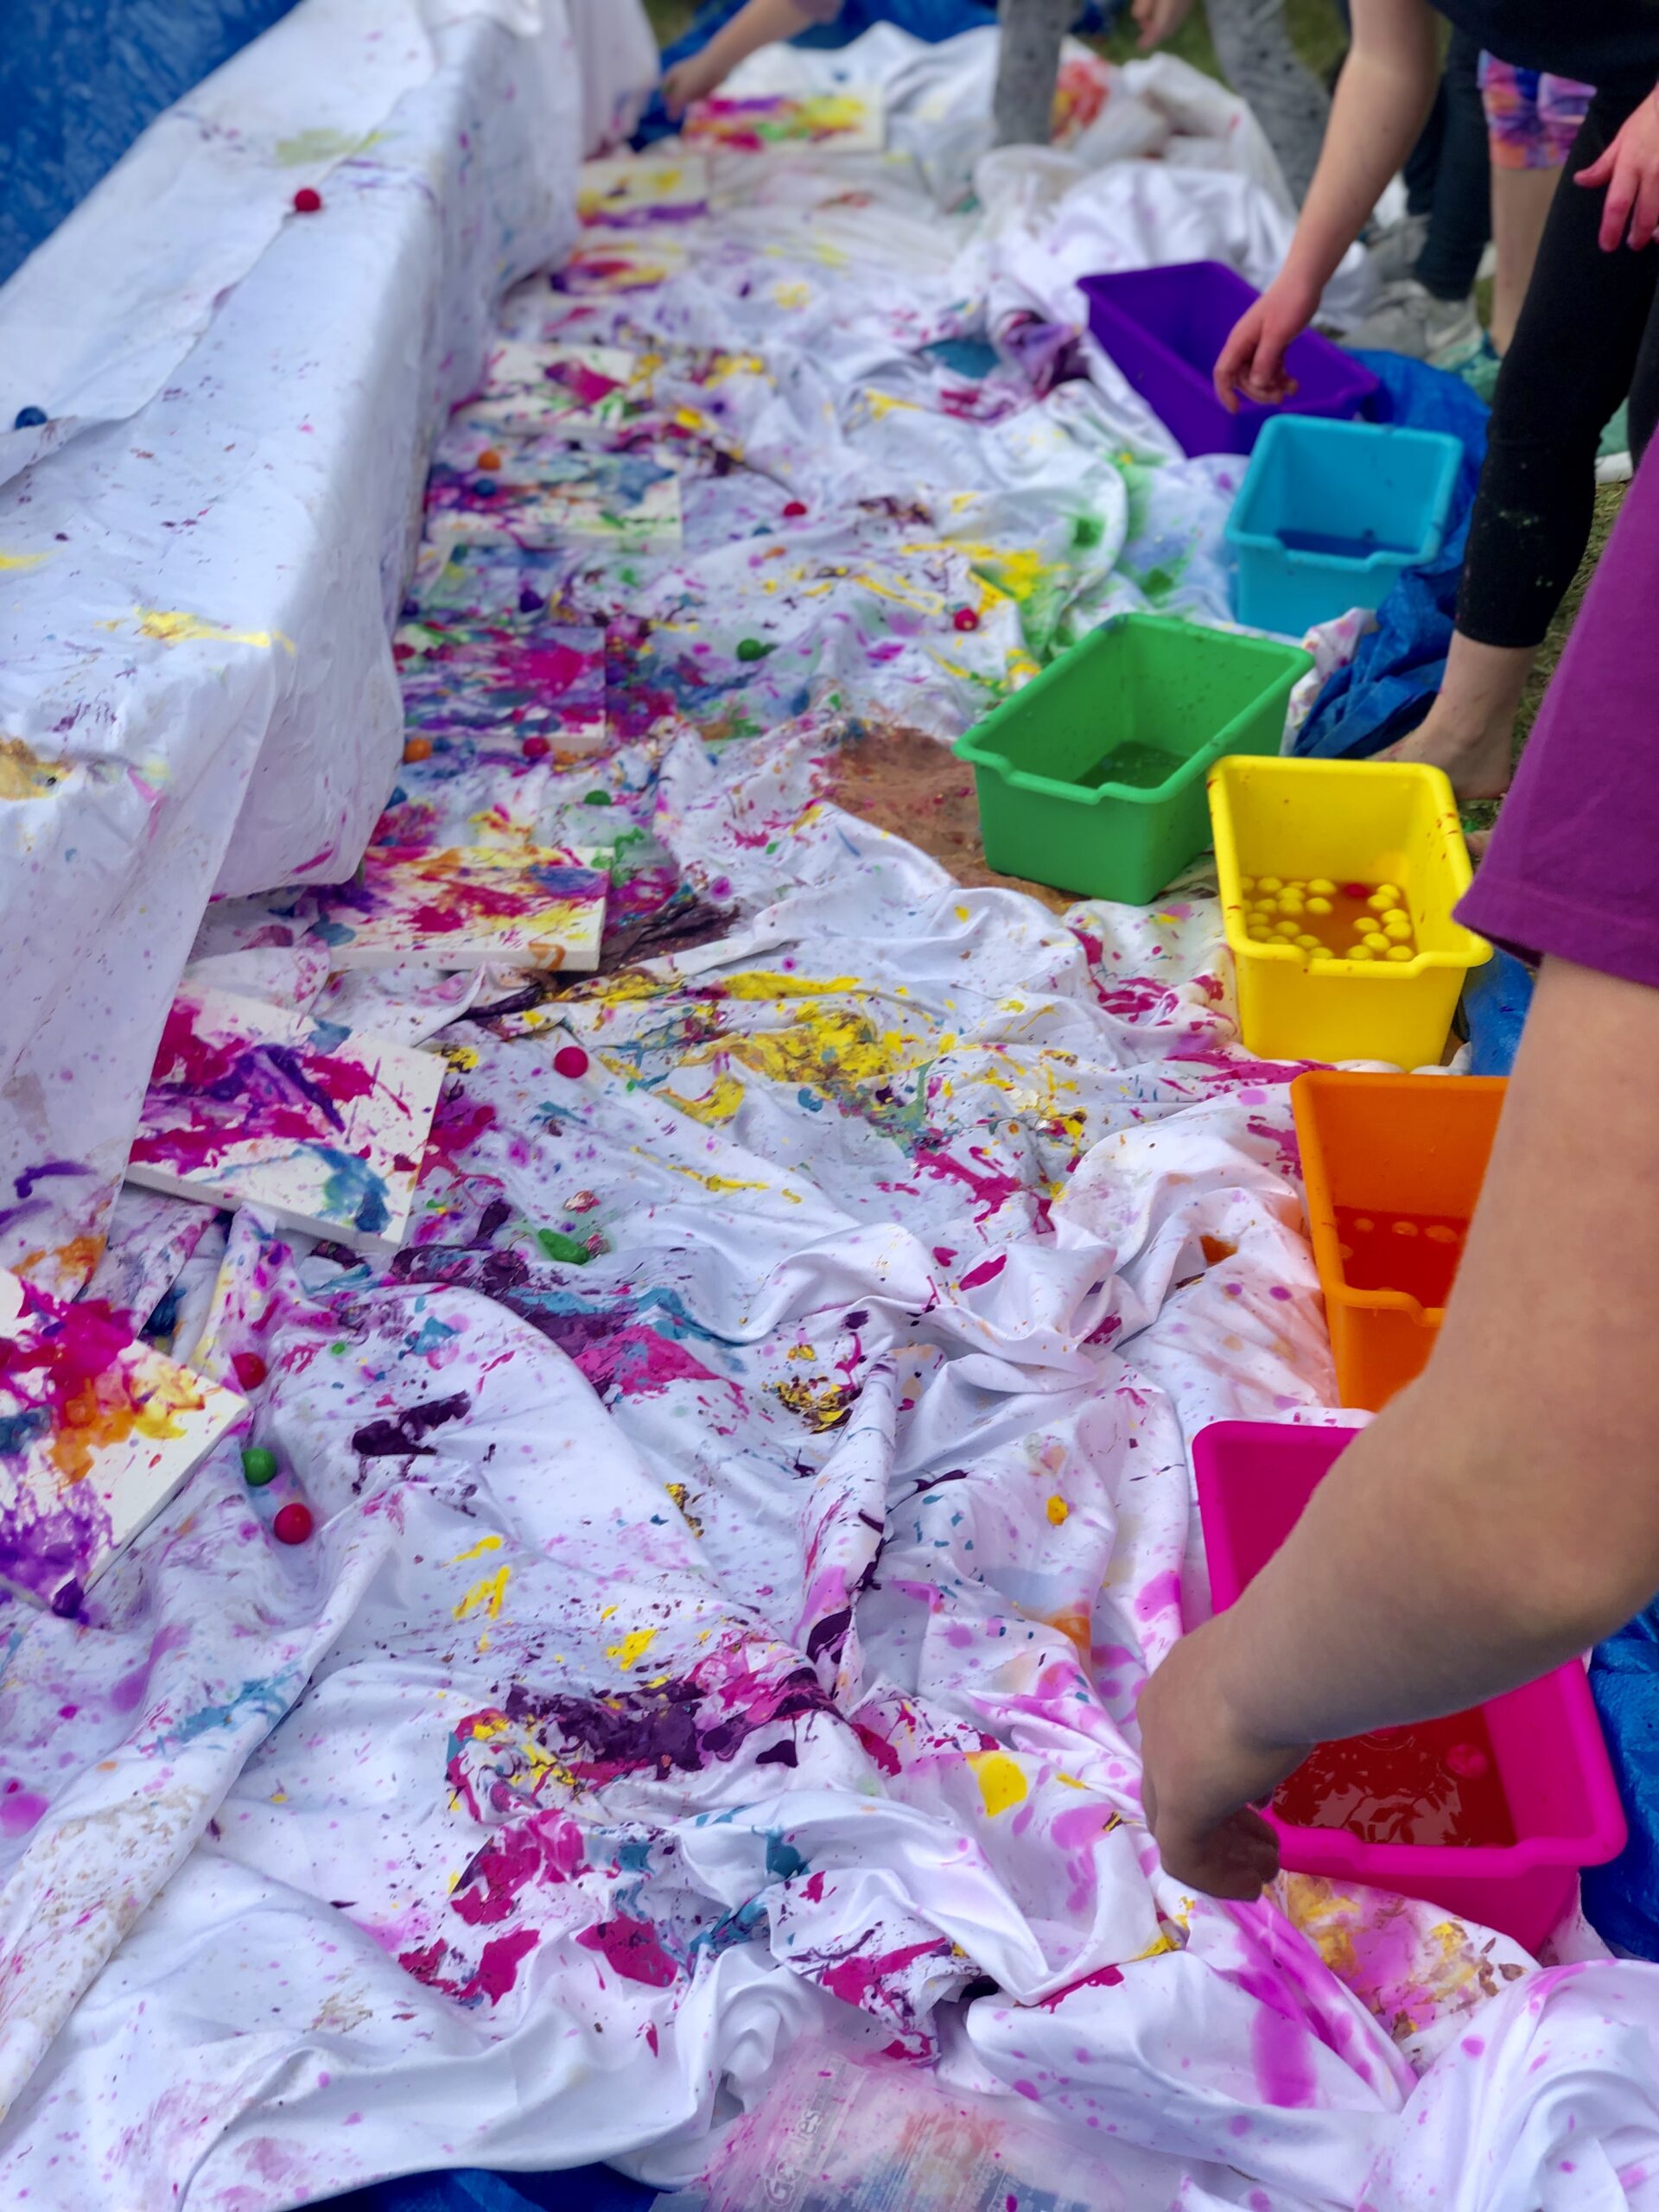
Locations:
1586 337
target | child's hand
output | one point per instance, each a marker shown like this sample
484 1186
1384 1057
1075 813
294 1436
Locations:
1252 359
689 80
1630 169
1199 1780
1159 19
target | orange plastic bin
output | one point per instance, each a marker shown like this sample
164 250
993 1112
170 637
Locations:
1392 1165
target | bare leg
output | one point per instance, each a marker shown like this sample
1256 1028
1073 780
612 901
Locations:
1470 729
1032 34
1520 200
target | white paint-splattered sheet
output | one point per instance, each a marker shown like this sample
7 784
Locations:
749 1506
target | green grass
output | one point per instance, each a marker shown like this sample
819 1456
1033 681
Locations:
670 19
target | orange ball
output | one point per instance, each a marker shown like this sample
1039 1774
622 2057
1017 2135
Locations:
417 748
489 458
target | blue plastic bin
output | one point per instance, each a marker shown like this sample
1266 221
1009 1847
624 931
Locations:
1164 328
1331 515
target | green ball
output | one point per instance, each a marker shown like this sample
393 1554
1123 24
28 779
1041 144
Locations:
258 1465
596 799
752 649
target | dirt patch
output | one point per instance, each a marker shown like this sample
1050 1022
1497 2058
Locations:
906 782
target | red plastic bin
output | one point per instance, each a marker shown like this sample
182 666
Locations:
1254 1479
1164 329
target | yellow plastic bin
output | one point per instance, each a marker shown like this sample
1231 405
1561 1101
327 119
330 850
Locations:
1375 822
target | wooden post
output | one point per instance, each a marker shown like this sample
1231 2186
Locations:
1031 32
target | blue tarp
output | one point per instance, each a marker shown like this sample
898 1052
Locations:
1494 1002
580 2189
80 79
1386 689
1622 1899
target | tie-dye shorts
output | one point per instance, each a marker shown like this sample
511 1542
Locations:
1532 117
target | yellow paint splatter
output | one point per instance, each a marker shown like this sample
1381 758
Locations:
172 626
681 1494
1001 1782
633 1647
820 1410
23 560
477 1551
24 774
488 1593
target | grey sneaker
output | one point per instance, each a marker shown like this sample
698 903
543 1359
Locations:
1409 320
1393 250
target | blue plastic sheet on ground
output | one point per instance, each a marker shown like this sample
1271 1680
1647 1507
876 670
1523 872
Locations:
80 79
579 2188
1386 689
1622 1898
1494 1002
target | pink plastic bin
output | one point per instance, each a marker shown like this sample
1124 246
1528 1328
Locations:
1254 1478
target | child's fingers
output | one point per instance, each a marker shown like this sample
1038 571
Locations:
1598 170
1615 209
1646 219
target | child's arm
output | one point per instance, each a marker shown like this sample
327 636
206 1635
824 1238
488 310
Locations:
761 23
1383 96
1502 1515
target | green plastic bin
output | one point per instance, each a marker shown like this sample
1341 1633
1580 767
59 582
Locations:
1091 777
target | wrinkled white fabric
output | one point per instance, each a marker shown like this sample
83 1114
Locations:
749 1508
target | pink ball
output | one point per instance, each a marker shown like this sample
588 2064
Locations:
570 1060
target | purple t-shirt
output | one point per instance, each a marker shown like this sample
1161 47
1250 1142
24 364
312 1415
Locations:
1572 868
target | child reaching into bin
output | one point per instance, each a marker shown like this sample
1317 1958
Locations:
1498 1517
1586 338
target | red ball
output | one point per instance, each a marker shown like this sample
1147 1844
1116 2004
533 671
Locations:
293 1525
966 619
251 1370
536 748
570 1060
308 202
795 509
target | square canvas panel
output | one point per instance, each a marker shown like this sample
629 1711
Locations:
530 388
98 1431
458 906
492 580
605 261
250 1104
850 121
543 491
629 192
523 678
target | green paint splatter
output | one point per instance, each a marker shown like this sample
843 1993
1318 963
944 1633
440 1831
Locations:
321 145
556 1246
1087 532
754 648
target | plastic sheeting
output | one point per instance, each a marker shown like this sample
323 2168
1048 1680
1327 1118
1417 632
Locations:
750 1508
195 681
80 79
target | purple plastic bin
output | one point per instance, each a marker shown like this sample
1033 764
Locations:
1254 1478
1164 328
